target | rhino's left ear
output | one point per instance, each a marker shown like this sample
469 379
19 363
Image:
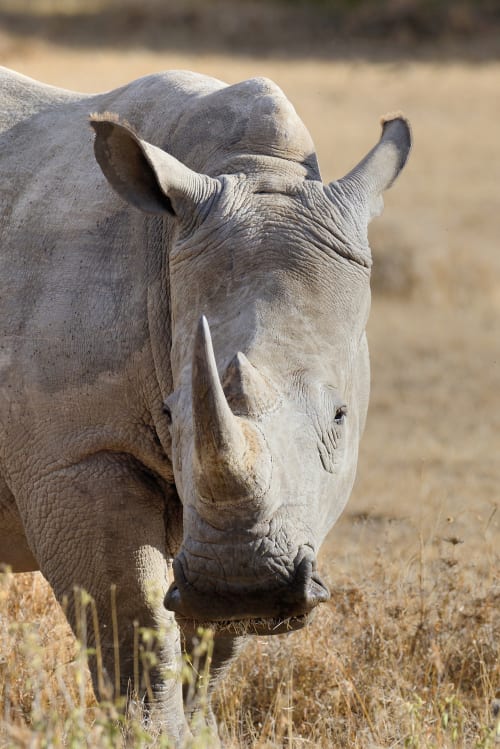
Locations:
380 167
144 175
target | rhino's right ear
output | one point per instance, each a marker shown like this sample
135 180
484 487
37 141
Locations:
144 175
380 167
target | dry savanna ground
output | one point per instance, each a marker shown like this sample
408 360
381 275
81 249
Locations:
407 651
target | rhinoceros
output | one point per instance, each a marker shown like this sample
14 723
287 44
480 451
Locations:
184 370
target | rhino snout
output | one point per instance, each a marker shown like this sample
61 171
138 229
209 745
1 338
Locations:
248 601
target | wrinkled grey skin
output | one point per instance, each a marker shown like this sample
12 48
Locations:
241 474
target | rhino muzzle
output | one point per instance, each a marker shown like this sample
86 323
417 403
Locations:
250 608
232 462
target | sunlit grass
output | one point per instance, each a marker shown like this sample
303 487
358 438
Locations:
401 658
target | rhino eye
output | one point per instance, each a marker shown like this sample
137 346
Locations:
340 415
168 413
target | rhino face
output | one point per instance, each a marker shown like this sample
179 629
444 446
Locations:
269 279
266 418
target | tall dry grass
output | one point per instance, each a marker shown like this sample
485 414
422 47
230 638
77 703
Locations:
406 657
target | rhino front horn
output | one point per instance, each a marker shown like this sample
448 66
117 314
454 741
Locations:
231 460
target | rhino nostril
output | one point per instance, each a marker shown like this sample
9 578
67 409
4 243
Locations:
317 591
308 585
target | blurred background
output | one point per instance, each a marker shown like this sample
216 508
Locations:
423 519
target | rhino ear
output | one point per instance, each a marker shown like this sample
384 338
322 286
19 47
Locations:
144 175
380 167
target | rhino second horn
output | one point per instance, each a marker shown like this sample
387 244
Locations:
248 392
231 461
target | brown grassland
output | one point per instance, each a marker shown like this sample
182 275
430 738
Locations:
406 653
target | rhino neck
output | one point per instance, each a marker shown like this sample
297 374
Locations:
232 128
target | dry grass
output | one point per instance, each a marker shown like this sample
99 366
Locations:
407 652
399 660
405 657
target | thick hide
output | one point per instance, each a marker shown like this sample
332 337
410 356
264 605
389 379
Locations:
184 371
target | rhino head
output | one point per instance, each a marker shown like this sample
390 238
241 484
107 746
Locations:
269 280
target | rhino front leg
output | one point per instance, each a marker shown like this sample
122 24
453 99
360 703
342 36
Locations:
100 526
210 659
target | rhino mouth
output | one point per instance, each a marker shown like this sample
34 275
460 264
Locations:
257 626
247 611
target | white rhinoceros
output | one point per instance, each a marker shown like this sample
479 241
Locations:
133 435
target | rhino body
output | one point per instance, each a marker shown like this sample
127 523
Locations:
184 371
